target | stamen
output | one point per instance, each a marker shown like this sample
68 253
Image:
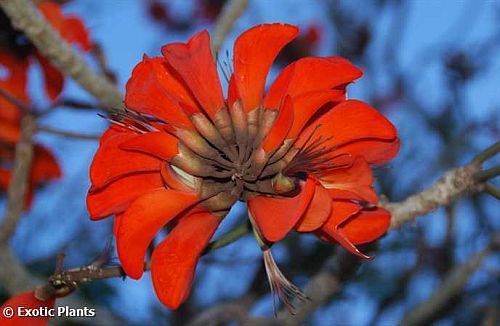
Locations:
286 291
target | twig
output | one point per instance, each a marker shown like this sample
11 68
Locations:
232 10
18 185
68 134
487 174
15 101
453 185
25 17
453 284
487 153
229 237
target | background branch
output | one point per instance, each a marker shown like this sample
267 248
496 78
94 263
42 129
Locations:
19 182
232 10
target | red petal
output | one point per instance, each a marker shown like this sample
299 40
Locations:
341 238
275 217
367 226
356 179
116 196
275 137
254 53
172 179
45 166
160 144
142 220
232 92
9 133
341 211
14 82
25 300
154 89
54 79
374 151
311 74
174 260
195 64
74 31
307 104
110 162
318 211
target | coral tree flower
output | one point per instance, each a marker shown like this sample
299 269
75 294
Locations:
16 55
182 155
25 300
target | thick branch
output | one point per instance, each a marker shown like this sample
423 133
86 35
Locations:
454 184
453 284
18 185
25 17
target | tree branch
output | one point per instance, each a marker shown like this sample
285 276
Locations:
452 285
232 10
25 17
454 184
18 184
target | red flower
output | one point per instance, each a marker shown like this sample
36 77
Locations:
182 155
24 301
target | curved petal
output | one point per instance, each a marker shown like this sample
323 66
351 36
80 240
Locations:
174 260
275 217
317 212
280 128
110 162
307 104
194 62
116 196
172 179
352 182
352 120
9 133
311 74
25 300
159 144
153 89
367 225
254 52
374 151
142 220
339 237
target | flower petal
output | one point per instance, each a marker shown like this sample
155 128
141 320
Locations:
74 31
254 53
194 62
159 144
367 225
142 220
317 212
311 74
374 151
280 128
275 217
353 120
45 166
153 89
116 196
54 79
25 300
174 260
352 182
307 104
110 162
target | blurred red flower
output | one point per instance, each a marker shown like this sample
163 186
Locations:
25 301
182 155
14 64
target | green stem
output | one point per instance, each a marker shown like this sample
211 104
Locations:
487 174
492 190
229 237
486 154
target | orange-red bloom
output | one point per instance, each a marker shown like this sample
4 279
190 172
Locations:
24 301
182 155
15 58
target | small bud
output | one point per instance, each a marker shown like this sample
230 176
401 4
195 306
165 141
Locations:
283 184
